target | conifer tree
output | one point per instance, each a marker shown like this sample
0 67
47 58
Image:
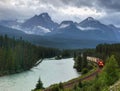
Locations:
39 85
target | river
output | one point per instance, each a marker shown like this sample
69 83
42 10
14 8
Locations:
50 71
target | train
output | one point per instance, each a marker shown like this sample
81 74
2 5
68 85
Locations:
100 62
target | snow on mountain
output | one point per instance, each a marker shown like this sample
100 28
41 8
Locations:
37 30
45 30
64 25
86 28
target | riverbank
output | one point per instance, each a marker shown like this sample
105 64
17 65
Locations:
6 73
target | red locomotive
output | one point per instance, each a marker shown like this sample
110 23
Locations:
100 62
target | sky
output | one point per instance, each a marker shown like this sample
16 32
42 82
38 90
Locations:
107 11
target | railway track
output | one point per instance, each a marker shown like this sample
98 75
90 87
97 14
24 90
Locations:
72 83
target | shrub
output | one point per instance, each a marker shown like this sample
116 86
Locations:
84 71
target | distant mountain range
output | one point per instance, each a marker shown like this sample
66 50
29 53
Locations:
42 30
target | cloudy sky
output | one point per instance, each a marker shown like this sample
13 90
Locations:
107 11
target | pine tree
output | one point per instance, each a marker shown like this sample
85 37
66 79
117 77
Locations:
61 85
39 85
80 85
78 63
84 61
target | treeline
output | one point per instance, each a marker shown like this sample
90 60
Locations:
67 53
106 50
16 55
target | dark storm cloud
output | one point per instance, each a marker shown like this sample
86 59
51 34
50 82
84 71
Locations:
60 10
79 3
113 5
107 5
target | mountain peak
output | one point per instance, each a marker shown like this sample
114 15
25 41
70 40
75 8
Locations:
40 21
90 22
90 19
44 15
